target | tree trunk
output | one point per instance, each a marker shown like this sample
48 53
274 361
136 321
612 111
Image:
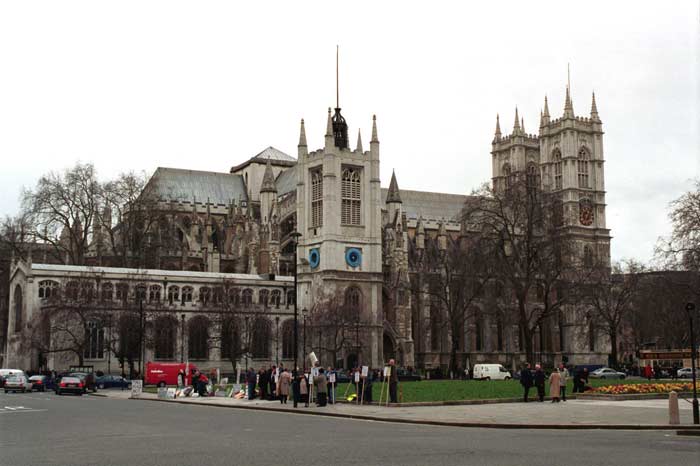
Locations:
613 347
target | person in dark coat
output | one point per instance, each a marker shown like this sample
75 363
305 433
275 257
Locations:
393 382
251 381
195 379
263 382
296 389
321 383
539 382
526 382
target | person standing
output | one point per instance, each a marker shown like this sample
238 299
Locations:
284 380
526 382
181 379
251 379
321 383
393 381
554 385
564 376
539 382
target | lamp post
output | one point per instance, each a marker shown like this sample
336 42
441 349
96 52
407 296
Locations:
295 235
304 312
182 338
277 340
690 308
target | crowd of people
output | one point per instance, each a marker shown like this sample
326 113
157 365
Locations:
557 380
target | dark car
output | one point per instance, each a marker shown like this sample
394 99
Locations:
88 378
112 381
70 384
41 383
408 376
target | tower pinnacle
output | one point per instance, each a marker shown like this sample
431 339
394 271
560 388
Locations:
594 110
393 194
359 142
374 129
516 125
497 135
302 135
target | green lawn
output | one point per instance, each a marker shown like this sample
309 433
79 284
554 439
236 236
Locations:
450 390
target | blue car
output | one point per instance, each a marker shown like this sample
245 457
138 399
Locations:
42 383
112 381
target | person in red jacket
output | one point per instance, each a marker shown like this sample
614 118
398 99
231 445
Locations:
202 384
648 372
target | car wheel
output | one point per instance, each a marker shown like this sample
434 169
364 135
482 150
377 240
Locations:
58 392
7 391
24 390
487 378
80 393
161 384
101 386
622 377
128 386
507 378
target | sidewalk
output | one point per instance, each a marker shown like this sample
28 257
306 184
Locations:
573 414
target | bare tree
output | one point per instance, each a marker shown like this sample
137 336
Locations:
61 211
681 251
531 252
336 321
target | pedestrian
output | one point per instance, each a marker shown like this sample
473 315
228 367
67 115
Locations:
195 378
263 383
181 379
283 383
564 376
648 372
331 375
296 391
674 371
274 375
393 381
526 382
201 387
539 382
304 389
321 383
251 377
554 385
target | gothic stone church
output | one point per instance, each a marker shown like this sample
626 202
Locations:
355 245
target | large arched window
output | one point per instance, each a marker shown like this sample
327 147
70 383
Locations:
435 326
230 338
129 336
288 339
316 198
507 176
353 302
173 294
583 159
95 340
165 335
261 339
154 294
48 288
556 160
350 190
264 297
199 337
187 292
532 178
247 297
275 298
591 334
18 308
499 334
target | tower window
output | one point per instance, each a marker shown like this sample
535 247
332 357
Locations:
507 177
583 168
532 179
556 158
350 195
316 198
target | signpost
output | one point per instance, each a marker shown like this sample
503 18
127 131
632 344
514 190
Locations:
136 388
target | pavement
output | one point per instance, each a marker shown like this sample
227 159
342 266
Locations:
49 430
573 414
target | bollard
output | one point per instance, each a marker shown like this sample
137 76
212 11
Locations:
673 413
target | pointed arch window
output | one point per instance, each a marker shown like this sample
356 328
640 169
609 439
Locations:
350 195
95 341
532 178
275 298
187 292
173 294
48 288
556 160
288 339
166 328
507 177
247 297
583 158
264 297
18 308
316 198
198 337
261 338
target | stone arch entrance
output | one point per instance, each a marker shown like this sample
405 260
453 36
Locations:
389 348
351 361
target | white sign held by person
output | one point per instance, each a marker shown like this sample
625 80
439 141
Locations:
136 388
387 371
357 377
331 378
365 371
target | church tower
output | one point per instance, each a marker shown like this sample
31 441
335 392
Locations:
340 249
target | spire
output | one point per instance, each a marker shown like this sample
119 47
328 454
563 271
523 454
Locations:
374 129
568 106
359 142
594 110
497 135
393 195
268 182
329 124
302 135
516 125
544 120
522 124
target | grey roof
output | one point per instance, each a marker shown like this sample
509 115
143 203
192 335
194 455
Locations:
437 206
286 181
275 156
175 184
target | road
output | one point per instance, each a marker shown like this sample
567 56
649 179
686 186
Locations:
44 429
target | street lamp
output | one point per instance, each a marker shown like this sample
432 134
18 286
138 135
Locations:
277 339
295 235
182 338
690 308
304 312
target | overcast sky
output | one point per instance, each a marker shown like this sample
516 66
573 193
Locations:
206 85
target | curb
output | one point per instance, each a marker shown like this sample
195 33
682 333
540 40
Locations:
443 423
695 433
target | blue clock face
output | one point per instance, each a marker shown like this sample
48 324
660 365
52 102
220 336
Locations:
353 257
314 258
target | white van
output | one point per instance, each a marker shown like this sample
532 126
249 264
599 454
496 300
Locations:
491 372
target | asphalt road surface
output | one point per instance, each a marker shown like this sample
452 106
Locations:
44 429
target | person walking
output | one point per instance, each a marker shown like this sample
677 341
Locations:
554 385
393 381
321 383
564 378
526 382
283 383
539 382
304 389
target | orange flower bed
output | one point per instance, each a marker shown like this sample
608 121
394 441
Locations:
624 389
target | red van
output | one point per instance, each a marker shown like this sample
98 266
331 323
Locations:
165 373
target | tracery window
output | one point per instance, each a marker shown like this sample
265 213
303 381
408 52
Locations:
173 294
316 198
264 297
583 168
288 339
166 328
556 158
350 197
205 294
275 298
234 296
107 291
95 341
154 294
187 293
261 338
532 178
247 297
48 288
122 292
199 337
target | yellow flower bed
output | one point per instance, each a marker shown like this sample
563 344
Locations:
643 388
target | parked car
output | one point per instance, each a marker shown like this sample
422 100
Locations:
491 372
165 373
88 378
70 384
687 373
17 383
342 377
41 383
112 381
5 372
607 373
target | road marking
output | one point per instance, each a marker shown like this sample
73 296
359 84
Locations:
28 410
